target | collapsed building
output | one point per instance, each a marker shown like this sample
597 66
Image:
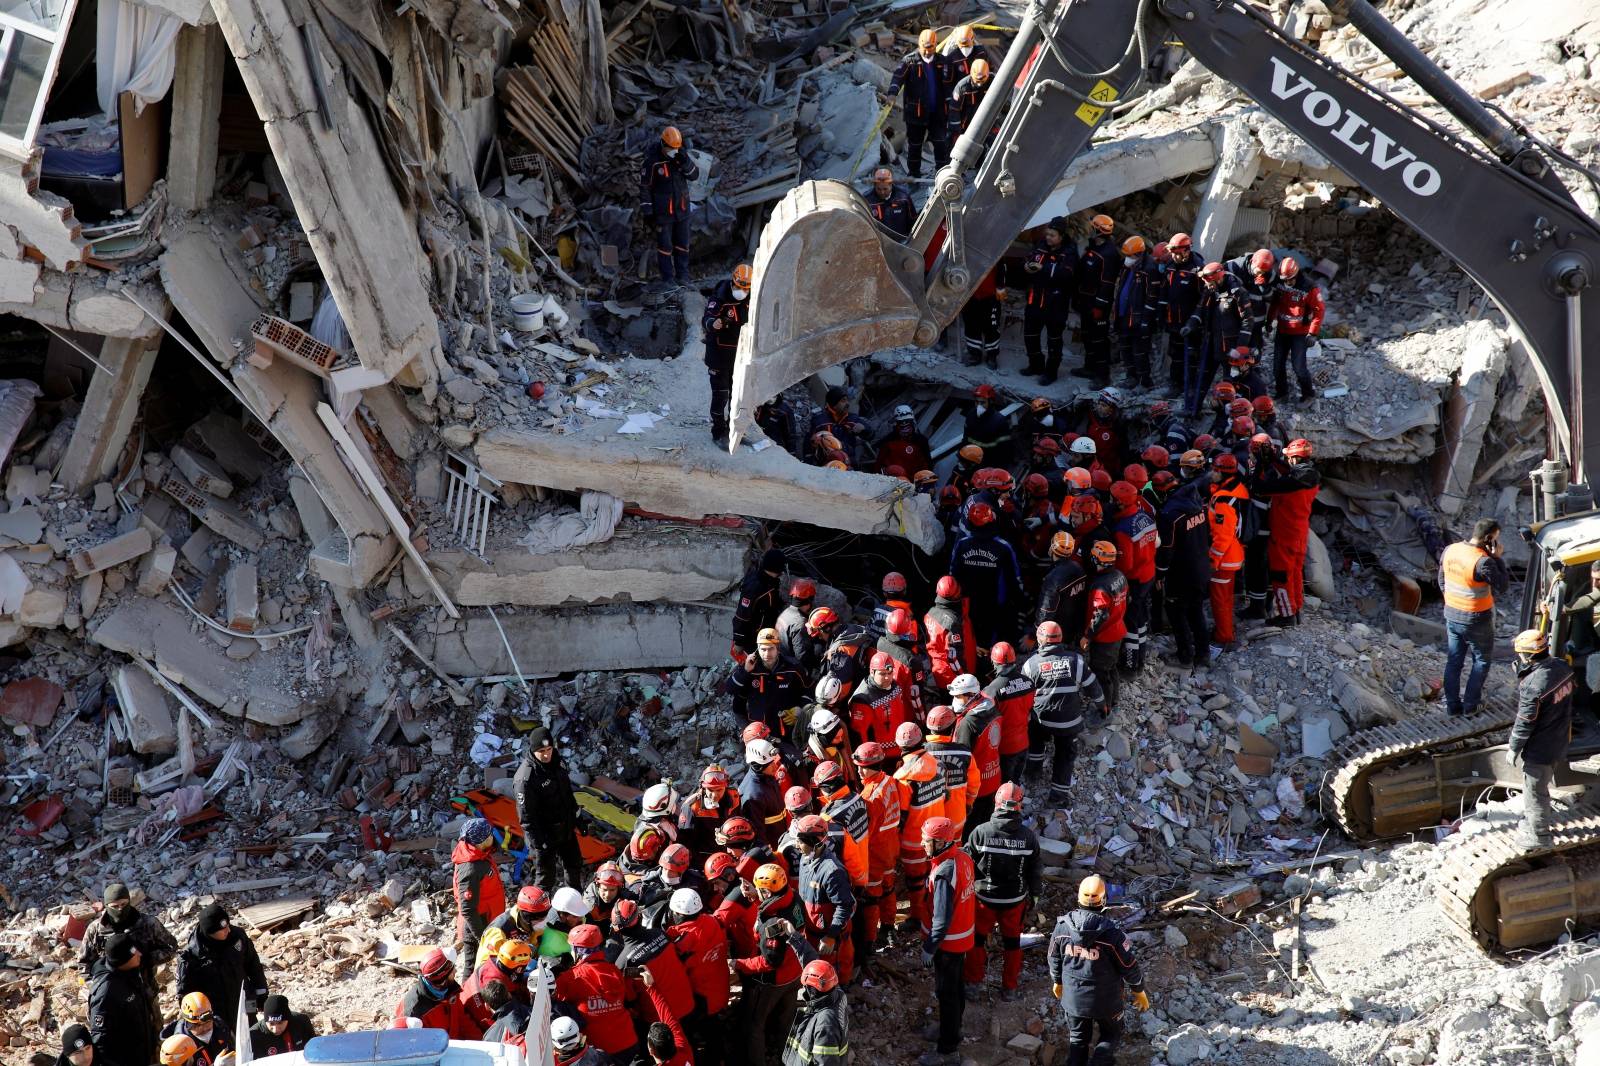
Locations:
336 409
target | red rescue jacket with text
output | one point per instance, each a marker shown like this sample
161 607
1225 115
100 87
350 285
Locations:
599 993
704 947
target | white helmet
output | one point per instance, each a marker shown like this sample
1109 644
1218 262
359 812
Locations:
828 689
686 901
903 413
660 800
1111 395
565 1034
760 752
1083 446
569 901
964 685
824 722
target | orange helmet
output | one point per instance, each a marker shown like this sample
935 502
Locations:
971 453
1085 509
1212 271
1243 426
1104 552
819 974
742 276
671 137
927 39
1102 224
821 619
980 70
1036 487
771 878
1289 269
965 38
1162 253
1299 448
1263 405
1136 475
514 954
980 514
1133 246
1062 545
1239 406
1079 479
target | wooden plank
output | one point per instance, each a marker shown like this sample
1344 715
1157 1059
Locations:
141 148
264 916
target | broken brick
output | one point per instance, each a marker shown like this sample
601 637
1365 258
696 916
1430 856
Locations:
31 701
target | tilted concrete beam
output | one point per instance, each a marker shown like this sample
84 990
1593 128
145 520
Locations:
1127 165
552 642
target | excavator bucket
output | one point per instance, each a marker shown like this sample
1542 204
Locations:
830 285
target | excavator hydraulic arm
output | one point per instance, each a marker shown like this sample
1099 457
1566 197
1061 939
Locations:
830 285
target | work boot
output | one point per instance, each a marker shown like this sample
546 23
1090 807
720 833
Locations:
1082 372
1307 395
991 359
1034 367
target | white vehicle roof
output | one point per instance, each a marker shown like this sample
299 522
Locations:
399 1047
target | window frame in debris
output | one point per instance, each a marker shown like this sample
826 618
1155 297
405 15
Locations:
11 27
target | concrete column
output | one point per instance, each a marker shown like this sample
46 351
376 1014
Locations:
108 410
196 107
1238 163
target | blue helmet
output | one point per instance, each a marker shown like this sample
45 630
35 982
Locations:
476 830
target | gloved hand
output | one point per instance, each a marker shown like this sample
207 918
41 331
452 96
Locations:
1141 1000
1055 991
1516 758
927 956
1032 266
788 716
716 323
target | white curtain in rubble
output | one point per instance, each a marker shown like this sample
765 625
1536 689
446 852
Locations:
136 51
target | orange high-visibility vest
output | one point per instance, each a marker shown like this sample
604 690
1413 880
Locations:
1463 591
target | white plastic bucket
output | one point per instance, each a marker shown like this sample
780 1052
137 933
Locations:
527 311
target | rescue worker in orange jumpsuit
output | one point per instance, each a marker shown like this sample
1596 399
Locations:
713 803
961 778
1229 507
947 933
480 894
881 793
921 781
1005 854
1290 519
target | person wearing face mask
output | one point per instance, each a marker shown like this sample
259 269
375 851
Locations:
219 958
905 446
967 51
157 946
1258 278
280 1029
726 313
1049 271
664 201
923 80
1097 280
1138 294
965 99
890 204
1181 288
1297 311
988 429
1216 326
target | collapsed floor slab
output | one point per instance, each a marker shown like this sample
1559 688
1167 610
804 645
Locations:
548 643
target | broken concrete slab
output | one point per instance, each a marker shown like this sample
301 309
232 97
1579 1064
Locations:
109 409
155 571
203 472
112 552
1238 163
550 642
1467 412
43 605
155 631
1125 165
22 525
219 515
147 710
233 449
30 701
304 739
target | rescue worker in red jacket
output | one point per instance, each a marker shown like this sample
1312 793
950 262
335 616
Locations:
703 946
881 794
635 948
1292 495
1005 855
978 730
735 904
961 778
922 796
1228 508
769 978
1049 271
665 1041
1134 532
947 934
480 894
664 202
878 705
1107 625
435 1000
905 446
1103 425
947 628
912 671
826 895
1012 693
595 988
1085 516
1296 316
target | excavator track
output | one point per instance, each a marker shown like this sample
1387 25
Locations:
1505 895
1347 795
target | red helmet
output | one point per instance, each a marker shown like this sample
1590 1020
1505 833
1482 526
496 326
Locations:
736 830
1262 261
980 514
1079 479
1241 355
588 936
1226 464
610 875
796 799
1008 797
436 966
1136 475
895 471
948 587
821 619
713 776
1124 494
941 829
1260 441
1160 409
1300 448
870 753
894 583
941 720
1085 509
755 731
899 623
1100 480
907 736
675 860
1212 271
1047 447
881 660
827 775
993 479
1048 633
1162 252
1263 405
1239 406
1224 390
1180 240
533 900
812 825
1164 481
983 392
1156 456
1205 442
950 496
1243 426
625 915
1002 653
819 975
1036 487
803 589
1289 269
719 864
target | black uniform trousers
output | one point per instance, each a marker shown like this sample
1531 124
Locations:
951 992
1083 1050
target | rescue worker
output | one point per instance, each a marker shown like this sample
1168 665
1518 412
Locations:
77 1048
821 1032
849 652
157 945
981 319
664 201
912 672
759 605
1215 327
713 803
480 896
508 967
1543 728
654 829
570 1047
1049 273
524 920
434 1000
878 705
1296 314
761 800
703 945
733 903
890 204
1096 285
674 870
961 777
595 988
119 1014
1289 520
1183 566
947 933
602 893
280 1029
726 312
881 794
1470 573
1091 962
828 743
792 638
568 910
1181 294
665 1042
850 833
1265 462
978 730
948 630
986 567
965 100
905 446
923 81
1065 689
1229 509
1038 527
771 977
826 895
1136 306
1063 594
549 814
967 53
988 430
1257 276
220 958
923 793
508 1017
768 687
634 947
837 418
969 457
1133 531
180 1051
1103 427
1012 693
1005 857
1107 624
894 598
